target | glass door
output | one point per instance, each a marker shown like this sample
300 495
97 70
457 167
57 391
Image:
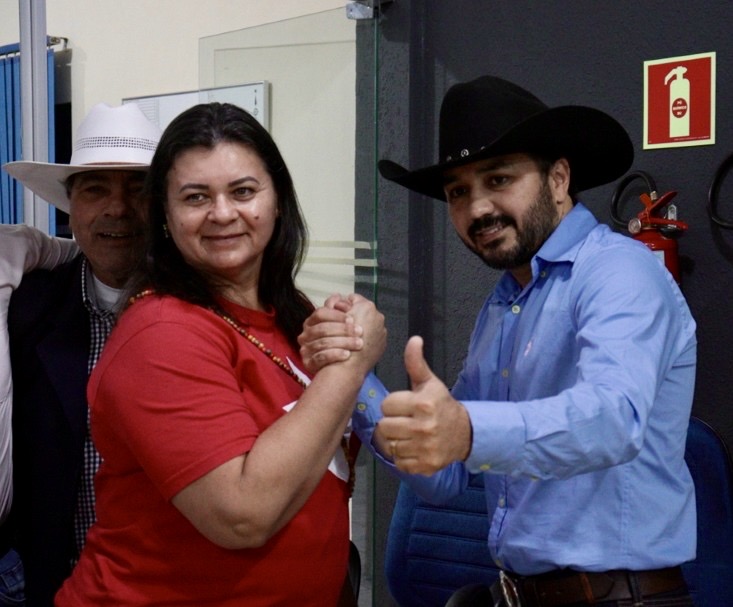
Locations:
314 88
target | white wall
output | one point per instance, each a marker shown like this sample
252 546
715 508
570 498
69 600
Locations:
122 49
131 48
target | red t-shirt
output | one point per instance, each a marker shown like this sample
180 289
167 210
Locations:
176 393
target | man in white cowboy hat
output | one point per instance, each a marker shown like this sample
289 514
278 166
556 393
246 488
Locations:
575 395
58 321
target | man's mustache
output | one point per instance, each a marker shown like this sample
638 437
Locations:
488 221
132 228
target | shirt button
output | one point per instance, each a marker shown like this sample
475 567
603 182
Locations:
516 309
361 406
485 467
543 273
499 564
505 373
502 502
372 393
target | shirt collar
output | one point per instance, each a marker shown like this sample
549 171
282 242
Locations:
564 242
92 300
562 246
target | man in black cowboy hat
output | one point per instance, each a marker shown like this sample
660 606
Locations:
576 391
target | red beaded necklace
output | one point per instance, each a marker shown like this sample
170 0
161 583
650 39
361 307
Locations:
285 367
280 363
260 346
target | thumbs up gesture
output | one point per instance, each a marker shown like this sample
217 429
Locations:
424 429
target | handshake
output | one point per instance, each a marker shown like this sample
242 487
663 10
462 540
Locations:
423 429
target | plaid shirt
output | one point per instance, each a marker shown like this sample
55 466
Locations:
100 322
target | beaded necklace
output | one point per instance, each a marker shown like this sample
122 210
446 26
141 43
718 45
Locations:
280 363
260 346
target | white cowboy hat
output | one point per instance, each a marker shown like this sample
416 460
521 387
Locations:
109 138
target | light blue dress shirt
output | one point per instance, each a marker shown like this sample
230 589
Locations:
579 389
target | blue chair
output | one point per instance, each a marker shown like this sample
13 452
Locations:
432 551
436 554
710 576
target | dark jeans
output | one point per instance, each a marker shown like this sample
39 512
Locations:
12 585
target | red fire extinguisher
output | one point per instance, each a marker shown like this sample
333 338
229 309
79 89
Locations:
657 225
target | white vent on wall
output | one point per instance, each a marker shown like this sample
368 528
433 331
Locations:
253 97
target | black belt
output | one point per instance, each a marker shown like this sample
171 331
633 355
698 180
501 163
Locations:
566 586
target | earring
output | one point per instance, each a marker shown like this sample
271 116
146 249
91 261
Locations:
166 233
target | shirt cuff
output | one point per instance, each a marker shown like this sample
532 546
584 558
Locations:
498 437
368 410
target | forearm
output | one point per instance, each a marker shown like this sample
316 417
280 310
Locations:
24 248
295 451
266 488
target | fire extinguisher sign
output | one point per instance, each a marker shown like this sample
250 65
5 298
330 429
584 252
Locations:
679 101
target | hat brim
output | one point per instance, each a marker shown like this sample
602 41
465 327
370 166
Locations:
48 180
596 146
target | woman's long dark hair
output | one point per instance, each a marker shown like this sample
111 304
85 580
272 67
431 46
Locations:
163 268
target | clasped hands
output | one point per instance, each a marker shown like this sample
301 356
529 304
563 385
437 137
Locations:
424 429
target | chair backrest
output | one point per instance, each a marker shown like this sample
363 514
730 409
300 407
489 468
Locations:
432 551
710 575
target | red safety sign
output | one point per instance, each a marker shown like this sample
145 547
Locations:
679 101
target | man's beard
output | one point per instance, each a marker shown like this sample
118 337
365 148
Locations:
539 220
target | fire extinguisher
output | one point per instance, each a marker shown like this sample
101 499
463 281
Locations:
657 225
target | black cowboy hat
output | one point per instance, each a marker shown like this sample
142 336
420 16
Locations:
490 116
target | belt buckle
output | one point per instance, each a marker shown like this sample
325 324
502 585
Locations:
509 590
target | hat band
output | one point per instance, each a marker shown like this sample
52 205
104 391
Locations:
463 154
138 143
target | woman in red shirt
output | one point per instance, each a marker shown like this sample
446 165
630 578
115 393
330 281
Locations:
225 478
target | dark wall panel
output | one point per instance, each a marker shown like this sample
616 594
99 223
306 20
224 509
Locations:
566 52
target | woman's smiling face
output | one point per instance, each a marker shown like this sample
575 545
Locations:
222 210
